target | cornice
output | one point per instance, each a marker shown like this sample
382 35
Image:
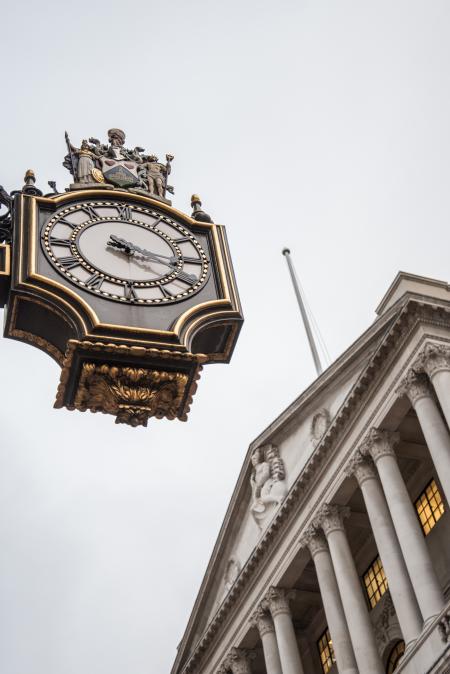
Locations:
410 314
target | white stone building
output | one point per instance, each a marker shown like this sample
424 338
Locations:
334 555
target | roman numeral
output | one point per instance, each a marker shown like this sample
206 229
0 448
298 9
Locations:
55 241
192 260
95 281
182 239
165 292
190 279
72 225
90 211
124 212
130 293
68 262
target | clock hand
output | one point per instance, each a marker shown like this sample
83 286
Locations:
131 248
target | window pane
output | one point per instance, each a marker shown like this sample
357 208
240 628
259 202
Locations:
429 507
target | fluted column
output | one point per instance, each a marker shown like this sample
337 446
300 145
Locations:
435 359
426 586
277 601
332 604
237 662
401 589
263 622
330 518
418 390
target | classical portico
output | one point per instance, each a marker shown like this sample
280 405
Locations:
350 572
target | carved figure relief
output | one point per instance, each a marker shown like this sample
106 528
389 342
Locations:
267 482
114 165
319 424
232 571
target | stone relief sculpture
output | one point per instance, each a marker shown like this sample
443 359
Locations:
231 573
319 424
267 482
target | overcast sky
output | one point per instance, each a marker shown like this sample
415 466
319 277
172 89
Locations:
319 125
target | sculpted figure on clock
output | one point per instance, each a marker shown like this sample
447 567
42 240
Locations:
114 164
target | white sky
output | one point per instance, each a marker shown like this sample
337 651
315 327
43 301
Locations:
319 125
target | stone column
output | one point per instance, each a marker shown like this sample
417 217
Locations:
264 624
330 518
237 662
402 593
426 586
418 390
332 604
277 601
435 359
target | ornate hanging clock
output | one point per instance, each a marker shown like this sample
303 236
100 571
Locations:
130 296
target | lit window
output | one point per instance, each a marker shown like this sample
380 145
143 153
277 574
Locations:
326 652
430 507
375 582
395 656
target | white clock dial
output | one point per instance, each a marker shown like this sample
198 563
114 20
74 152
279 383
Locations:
125 253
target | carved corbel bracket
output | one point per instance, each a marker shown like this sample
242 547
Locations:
117 380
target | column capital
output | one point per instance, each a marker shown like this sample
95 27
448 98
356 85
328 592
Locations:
277 600
361 466
238 661
379 442
331 517
435 358
262 620
415 386
314 540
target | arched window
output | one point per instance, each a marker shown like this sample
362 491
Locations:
395 656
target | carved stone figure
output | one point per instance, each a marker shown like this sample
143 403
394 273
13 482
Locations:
85 163
231 573
114 165
267 482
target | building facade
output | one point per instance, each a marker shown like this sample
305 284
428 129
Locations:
334 555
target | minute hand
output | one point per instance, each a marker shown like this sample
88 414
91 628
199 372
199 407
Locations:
158 257
181 275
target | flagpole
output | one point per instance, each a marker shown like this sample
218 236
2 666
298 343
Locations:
319 369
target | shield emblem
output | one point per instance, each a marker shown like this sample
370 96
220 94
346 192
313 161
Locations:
120 173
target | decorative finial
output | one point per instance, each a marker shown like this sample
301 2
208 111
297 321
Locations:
197 212
52 185
29 186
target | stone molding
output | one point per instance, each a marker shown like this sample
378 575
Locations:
415 386
435 358
408 318
277 601
314 539
362 467
379 442
331 518
262 620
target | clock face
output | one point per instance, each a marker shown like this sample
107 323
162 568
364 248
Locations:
126 253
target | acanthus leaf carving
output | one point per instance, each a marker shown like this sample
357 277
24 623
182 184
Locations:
435 358
415 386
361 466
379 443
330 517
132 394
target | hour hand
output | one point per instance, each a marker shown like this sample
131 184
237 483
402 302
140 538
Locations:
121 244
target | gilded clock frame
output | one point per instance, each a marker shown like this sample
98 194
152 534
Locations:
29 285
